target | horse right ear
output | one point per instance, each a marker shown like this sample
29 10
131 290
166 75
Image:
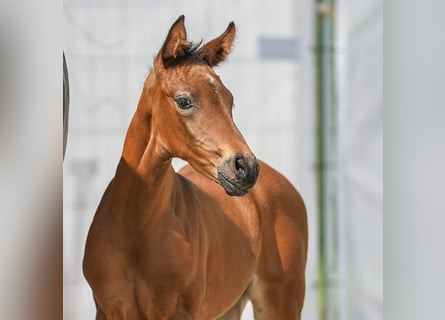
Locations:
175 45
218 49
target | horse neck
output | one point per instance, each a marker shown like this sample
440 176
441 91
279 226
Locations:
145 169
139 132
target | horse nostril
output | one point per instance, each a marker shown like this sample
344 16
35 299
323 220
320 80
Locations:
240 167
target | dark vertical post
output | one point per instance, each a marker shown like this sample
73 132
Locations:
66 103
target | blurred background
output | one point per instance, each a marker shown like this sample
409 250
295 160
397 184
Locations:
308 86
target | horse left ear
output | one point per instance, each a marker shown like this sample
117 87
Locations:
175 45
218 49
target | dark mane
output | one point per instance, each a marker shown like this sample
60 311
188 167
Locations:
191 51
193 47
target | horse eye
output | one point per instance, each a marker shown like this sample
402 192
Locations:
184 103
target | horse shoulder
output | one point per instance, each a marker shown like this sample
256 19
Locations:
283 224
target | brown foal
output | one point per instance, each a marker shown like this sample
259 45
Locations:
199 243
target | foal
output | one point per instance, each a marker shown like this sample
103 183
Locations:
198 244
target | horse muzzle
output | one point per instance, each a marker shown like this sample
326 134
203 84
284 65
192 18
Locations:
238 174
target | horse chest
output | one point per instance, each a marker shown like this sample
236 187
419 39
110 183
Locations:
201 264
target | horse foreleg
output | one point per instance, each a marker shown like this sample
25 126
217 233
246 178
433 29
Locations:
277 289
237 310
122 309
275 300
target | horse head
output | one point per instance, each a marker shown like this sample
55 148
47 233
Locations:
192 110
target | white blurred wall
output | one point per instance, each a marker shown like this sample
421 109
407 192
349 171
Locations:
359 34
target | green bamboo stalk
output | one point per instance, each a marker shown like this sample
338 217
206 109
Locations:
320 156
326 119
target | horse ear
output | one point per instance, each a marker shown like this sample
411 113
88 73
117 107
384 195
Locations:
175 45
219 48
